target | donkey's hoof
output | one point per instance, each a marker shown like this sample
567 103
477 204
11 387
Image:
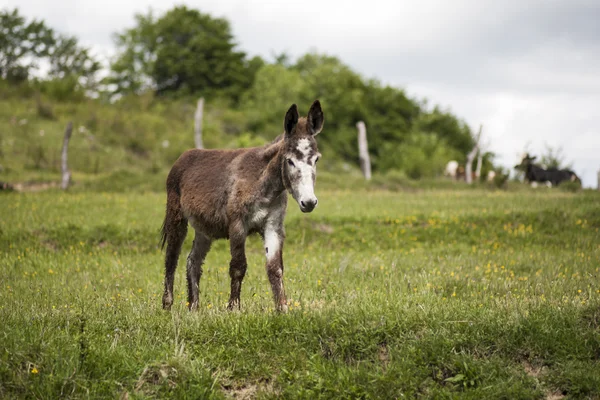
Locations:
233 305
282 308
194 306
167 303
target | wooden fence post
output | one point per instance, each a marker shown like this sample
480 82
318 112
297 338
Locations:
471 157
479 164
198 124
66 175
363 150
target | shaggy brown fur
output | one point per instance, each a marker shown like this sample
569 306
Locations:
230 194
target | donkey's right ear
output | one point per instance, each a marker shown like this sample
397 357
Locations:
291 120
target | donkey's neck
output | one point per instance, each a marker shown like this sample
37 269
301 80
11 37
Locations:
271 181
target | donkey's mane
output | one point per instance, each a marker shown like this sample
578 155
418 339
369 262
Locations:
301 124
270 149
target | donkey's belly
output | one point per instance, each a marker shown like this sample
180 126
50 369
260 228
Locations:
213 228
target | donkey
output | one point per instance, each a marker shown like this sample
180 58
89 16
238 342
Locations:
230 194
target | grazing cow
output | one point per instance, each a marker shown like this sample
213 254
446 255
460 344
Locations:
6 186
451 169
551 176
230 194
461 174
562 175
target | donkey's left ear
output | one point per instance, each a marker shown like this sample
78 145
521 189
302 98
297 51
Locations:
315 118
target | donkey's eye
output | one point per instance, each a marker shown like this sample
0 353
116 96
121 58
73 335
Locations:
290 162
316 159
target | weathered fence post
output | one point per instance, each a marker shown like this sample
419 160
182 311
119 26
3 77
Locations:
363 150
198 123
66 175
471 157
479 163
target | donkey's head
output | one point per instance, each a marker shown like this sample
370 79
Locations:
300 155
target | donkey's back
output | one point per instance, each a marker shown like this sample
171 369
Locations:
198 190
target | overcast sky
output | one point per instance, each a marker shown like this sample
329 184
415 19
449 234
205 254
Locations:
528 70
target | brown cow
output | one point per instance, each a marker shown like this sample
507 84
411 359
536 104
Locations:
230 194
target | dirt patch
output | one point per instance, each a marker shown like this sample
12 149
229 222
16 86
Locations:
532 370
244 393
51 245
537 372
249 391
33 186
156 375
383 355
323 228
591 316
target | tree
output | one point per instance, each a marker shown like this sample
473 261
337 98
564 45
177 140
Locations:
390 115
22 44
282 58
456 133
184 52
275 88
554 158
397 124
341 90
131 70
67 58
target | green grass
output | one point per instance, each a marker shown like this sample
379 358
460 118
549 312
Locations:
427 294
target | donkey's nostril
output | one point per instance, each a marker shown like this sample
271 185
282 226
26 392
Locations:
308 205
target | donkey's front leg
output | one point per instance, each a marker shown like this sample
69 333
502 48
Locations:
237 266
274 237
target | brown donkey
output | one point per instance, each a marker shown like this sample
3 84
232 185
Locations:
234 193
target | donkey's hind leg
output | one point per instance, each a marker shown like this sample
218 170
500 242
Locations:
195 260
175 235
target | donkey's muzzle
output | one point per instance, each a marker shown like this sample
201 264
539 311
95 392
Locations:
308 205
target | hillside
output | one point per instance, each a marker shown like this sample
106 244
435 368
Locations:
131 144
138 137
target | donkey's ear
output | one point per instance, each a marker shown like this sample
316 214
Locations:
291 120
315 118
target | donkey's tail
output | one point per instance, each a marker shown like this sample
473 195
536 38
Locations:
174 225
163 234
174 220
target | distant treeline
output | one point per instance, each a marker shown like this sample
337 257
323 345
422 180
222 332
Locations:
184 54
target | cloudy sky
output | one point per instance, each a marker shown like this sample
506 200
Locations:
528 70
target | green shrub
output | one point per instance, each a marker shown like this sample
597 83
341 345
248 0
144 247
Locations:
570 186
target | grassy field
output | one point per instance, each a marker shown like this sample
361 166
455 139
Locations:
425 293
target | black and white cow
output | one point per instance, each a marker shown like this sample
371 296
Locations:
551 176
